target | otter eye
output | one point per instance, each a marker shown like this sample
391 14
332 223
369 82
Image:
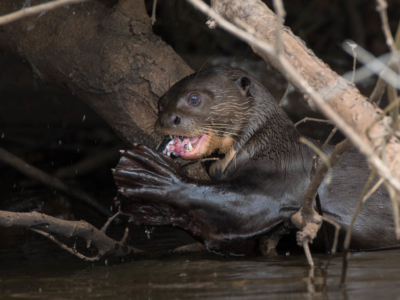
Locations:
159 108
194 99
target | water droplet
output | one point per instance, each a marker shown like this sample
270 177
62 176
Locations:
111 208
149 231
48 126
84 117
40 290
52 163
287 253
106 262
76 171
78 150
15 185
2 135
73 13
59 142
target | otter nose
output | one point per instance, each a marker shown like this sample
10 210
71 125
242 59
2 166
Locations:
170 120
177 120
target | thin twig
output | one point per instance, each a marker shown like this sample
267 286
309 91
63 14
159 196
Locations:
391 91
125 237
153 13
379 90
329 138
34 10
308 254
353 219
36 174
110 219
289 86
65 247
299 82
380 86
322 155
337 228
395 204
353 47
88 164
306 119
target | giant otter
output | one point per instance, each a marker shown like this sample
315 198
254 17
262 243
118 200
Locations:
260 176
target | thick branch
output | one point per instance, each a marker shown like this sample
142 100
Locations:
109 58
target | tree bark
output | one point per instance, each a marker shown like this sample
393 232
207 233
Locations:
108 57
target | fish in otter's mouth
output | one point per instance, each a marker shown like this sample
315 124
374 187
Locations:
183 146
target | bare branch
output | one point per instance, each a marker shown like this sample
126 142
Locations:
322 155
328 139
65 247
47 226
311 192
312 119
153 13
37 9
378 91
353 46
289 86
51 181
336 237
308 254
110 219
391 91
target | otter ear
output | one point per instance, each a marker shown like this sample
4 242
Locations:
244 83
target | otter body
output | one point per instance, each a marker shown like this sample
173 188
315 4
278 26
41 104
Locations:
259 178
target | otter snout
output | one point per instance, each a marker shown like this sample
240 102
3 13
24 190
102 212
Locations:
169 120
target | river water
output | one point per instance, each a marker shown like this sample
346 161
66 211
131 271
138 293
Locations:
32 267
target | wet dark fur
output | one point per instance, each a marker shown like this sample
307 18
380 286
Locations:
257 187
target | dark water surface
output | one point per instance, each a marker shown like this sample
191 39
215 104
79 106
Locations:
32 267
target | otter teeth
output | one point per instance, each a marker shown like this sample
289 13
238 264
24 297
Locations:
189 147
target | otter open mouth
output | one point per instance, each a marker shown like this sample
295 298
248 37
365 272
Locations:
183 146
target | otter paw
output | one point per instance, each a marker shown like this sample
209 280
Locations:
145 174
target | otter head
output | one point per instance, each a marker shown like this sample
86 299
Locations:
204 113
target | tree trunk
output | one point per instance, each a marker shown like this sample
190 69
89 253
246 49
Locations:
108 57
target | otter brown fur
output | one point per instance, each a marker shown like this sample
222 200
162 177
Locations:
259 179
